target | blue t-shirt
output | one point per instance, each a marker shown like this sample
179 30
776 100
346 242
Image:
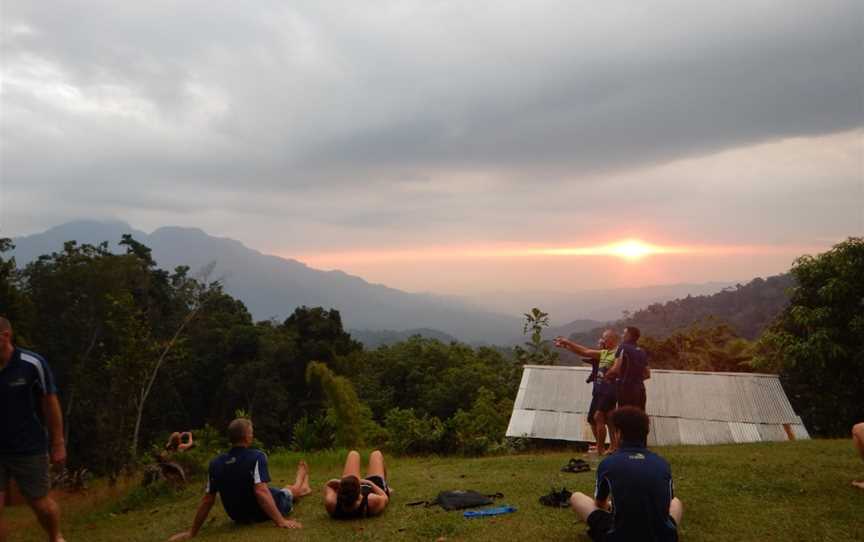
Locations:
640 484
24 381
233 475
633 363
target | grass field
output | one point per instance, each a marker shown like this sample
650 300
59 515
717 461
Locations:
780 491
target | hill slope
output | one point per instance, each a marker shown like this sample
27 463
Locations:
748 308
271 287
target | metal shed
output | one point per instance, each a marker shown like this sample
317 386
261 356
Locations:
685 407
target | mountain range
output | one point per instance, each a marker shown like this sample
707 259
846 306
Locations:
272 287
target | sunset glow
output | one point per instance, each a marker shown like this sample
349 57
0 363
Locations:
629 250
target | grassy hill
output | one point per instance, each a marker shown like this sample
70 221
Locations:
768 491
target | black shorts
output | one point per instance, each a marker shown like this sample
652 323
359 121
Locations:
600 521
632 395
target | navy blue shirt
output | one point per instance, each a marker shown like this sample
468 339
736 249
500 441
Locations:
634 360
233 475
24 381
640 484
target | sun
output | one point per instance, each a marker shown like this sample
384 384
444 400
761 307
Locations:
631 250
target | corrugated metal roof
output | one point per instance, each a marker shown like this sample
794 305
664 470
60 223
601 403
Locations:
686 407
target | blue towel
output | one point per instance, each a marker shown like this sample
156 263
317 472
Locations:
497 511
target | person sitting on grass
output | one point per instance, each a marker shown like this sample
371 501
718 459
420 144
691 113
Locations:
858 441
353 497
240 477
639 482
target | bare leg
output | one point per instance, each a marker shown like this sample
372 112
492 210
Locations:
2 523
300 487
676 510
858 441
600 431
583 505
613 438
352 464
48 514
376 465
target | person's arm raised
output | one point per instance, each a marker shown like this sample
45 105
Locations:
576 348
201 514
265 501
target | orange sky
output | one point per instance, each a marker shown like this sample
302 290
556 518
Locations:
624 263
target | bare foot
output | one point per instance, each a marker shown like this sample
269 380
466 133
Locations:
858 484
303 468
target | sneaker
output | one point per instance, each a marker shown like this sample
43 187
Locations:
557 499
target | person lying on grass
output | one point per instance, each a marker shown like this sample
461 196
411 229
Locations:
353 497
639 481
858 441
240 477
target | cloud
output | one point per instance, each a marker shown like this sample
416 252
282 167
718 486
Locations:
341 124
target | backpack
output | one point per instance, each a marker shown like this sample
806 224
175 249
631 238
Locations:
459 499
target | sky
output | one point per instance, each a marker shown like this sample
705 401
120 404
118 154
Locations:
448 147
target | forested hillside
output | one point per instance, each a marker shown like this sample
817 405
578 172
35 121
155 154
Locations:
140 351
748 309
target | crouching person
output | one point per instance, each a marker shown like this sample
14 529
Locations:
240 477
639 483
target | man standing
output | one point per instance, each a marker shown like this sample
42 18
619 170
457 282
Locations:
603 395
240 477
631 370
639 481
27 389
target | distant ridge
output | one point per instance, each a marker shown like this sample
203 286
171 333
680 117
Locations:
272 286
748 308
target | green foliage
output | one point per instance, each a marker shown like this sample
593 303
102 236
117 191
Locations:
312 434
428 376
14 303
705 346
748 309
478 429
412 434
344 407
537 351
817 343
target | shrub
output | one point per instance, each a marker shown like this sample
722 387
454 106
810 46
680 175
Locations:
409 434
313 434
482 427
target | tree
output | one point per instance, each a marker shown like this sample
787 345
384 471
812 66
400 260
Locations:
817 342
538 351
349 415
14 303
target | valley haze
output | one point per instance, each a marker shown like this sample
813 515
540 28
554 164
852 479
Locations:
273 286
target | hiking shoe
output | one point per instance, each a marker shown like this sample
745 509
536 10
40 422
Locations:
557 499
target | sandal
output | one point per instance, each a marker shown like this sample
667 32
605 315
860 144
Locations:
576 465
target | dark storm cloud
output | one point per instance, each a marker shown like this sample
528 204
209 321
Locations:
124 103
